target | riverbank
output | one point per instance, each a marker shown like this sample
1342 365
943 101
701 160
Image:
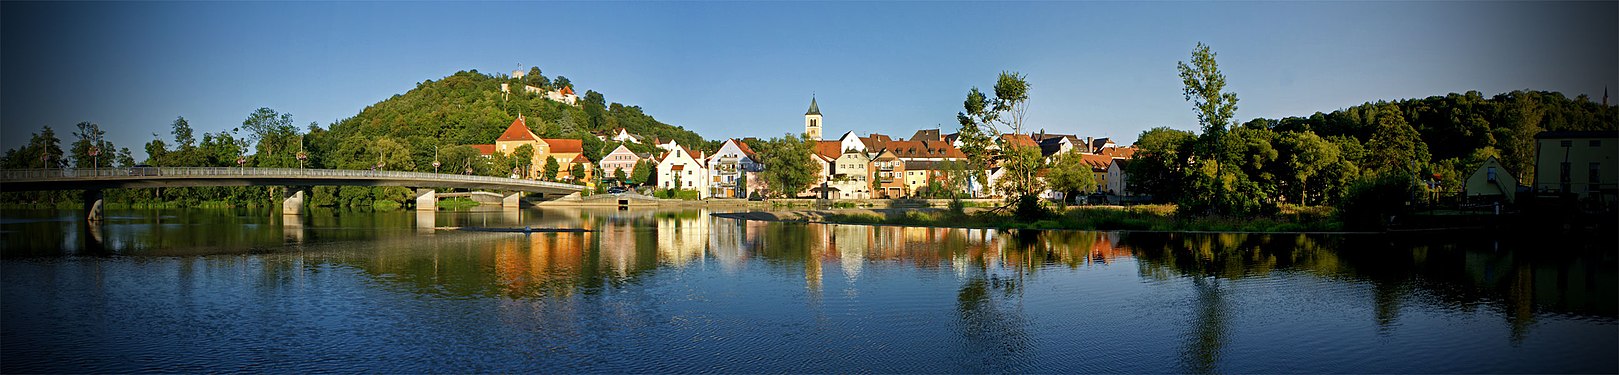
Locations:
1138 218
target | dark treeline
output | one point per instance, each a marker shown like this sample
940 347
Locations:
435 122
1367 159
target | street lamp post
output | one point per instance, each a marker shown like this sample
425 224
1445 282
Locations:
435 159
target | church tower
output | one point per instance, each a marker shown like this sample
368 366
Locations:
812 121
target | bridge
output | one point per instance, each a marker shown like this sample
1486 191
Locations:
93 180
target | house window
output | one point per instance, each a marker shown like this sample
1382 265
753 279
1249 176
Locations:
1596 143
1595 178
1490 173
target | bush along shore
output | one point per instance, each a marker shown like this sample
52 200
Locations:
1139 218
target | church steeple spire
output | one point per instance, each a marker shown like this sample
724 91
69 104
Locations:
812 120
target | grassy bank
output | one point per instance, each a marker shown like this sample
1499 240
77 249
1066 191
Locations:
1146 217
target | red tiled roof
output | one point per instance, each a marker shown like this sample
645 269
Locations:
580 159
1119 152
1019 140
565 146
924 149
829 149
1097 163
485 149
518 131
743 146
568 90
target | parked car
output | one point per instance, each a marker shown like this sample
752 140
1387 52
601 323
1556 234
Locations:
617 190
144 170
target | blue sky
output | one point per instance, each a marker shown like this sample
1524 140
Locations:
736 69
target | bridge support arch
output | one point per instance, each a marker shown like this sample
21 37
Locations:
512 201
426 200
92 205
292 201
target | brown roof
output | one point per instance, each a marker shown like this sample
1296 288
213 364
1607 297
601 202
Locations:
565 146
518 131
829 149
926 135
875 141
1098 163
924 149
1119 152
1019 140
579 159
485 149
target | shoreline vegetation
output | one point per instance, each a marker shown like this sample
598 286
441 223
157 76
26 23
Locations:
1160 218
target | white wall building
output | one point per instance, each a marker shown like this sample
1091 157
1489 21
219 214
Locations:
682 169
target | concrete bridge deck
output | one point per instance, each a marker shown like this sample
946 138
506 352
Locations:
92 181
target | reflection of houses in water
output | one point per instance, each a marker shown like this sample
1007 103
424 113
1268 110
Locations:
728 240
850 243
682 237
540 260
617 246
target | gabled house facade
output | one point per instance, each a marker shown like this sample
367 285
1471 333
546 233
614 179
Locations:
1491 181
732 163
620 159
683 169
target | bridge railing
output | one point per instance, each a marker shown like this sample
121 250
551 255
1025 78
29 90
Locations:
69 174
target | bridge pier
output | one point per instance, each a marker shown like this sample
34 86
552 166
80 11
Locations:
92 205
426 200
292 202
512 201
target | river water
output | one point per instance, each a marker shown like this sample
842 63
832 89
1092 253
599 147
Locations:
682 291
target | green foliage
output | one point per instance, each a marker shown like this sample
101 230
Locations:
1159 167
1377 198
549 173
983 121
642 174
1070 175
788 166
577 171
1203 87
681 194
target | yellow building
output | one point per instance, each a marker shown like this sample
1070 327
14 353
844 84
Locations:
567 151
1492 181
1582 163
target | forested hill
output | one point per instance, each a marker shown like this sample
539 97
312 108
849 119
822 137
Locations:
1456 131
468 107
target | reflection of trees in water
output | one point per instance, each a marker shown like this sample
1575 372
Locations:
1452 271
1208 336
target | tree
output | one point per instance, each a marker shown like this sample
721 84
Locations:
618 175
561 82
274 138
1203 84
92 150
1161 159
988 118
1070 175
642 173
577 171
1399 147
522 158
1304 156
788 165
549 173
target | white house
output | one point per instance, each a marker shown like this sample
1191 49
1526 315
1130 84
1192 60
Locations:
851 176
850 141
683 169
733 160
1118 180
625 136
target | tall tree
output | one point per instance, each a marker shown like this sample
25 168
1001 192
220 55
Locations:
92 150
1203 87
789 167
523 159
987 117
642 173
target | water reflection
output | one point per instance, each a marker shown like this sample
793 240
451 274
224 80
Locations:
1002 291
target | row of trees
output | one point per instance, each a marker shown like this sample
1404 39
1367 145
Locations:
1374 155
